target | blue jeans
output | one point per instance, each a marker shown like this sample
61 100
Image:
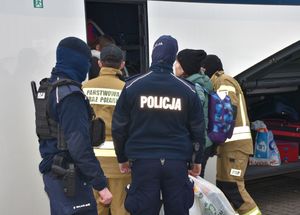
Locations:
83 203
153 177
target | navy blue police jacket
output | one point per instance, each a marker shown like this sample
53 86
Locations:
68 107
158 115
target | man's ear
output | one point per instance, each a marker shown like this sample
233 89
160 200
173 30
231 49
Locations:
122 65
100 63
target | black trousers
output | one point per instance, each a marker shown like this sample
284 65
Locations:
156 182
83 203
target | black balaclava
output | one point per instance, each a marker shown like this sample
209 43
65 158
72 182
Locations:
211 64
73 59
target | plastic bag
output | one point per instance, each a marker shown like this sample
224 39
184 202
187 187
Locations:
261 144
266 151
274 152
209 200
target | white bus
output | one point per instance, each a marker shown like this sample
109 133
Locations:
241 33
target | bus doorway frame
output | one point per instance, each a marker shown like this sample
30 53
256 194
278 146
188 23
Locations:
143 27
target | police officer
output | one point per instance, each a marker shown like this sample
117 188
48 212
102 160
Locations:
103 93
233 155
69 166
157 119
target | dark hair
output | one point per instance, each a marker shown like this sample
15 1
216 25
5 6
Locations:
103 41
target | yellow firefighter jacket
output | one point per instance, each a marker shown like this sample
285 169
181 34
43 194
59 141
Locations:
103 93
241 139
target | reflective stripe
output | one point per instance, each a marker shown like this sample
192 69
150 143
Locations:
226 88
105 150
138 79
102 96
107 145
243 114
241 129
240 133
235 137
254 211
183 82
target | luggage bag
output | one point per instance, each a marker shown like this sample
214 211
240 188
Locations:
288 150
284 130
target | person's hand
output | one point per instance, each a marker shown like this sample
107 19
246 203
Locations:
105 196
196 170
124 167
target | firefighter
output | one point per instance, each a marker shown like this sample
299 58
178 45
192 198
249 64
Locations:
103 93
233 155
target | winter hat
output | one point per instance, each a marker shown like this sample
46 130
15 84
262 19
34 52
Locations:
211 64
73 57
111 53
164 50
190 60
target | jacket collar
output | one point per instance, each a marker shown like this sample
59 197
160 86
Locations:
216 75
109 71
195 77
219 73
161 68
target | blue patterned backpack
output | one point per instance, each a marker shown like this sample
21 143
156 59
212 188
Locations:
220 115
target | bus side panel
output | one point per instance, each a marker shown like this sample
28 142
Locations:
241 35
29 37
